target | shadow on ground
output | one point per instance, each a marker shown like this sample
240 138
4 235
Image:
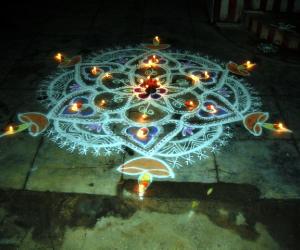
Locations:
46 216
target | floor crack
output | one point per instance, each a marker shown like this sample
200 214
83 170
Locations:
32 163
216 168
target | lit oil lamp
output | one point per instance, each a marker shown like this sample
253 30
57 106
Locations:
102 103
59 57
246 66
242 69
194 78
206 75
146 169
156 41
154 59
76 106
149 64
142 133
277 127
10 130
190 105
143 183
157 80
249 65
211 109
151 85
95 71
255 122
156 45
144 116
107 76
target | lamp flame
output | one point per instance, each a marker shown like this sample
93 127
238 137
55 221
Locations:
194 78
75 107
211 108
95 71
141 191
249 65
156 41
142 133
144 182
149 64
279 127
58 57
107 76
10 129
102 103
206 75
154 59
190 105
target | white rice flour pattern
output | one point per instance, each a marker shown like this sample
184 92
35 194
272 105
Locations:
168 105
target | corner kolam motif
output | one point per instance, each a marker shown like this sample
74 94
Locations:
170 107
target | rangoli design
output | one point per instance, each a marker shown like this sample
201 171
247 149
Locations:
174 107
170 107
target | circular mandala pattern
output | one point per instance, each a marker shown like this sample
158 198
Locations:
162 104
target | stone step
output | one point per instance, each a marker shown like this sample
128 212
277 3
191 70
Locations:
232 10
279 30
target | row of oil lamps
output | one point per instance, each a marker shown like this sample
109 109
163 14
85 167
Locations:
152 61
95 71
142 133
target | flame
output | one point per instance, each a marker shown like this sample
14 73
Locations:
156 41
194 78
206 75
190 105
157 80
249 65
154 59
141 191
144 182
95 71
75 107
58 57
144 116
10 129
142 133
212 109
281 128
149 64
102 102
107 75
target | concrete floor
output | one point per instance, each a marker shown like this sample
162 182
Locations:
267 166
